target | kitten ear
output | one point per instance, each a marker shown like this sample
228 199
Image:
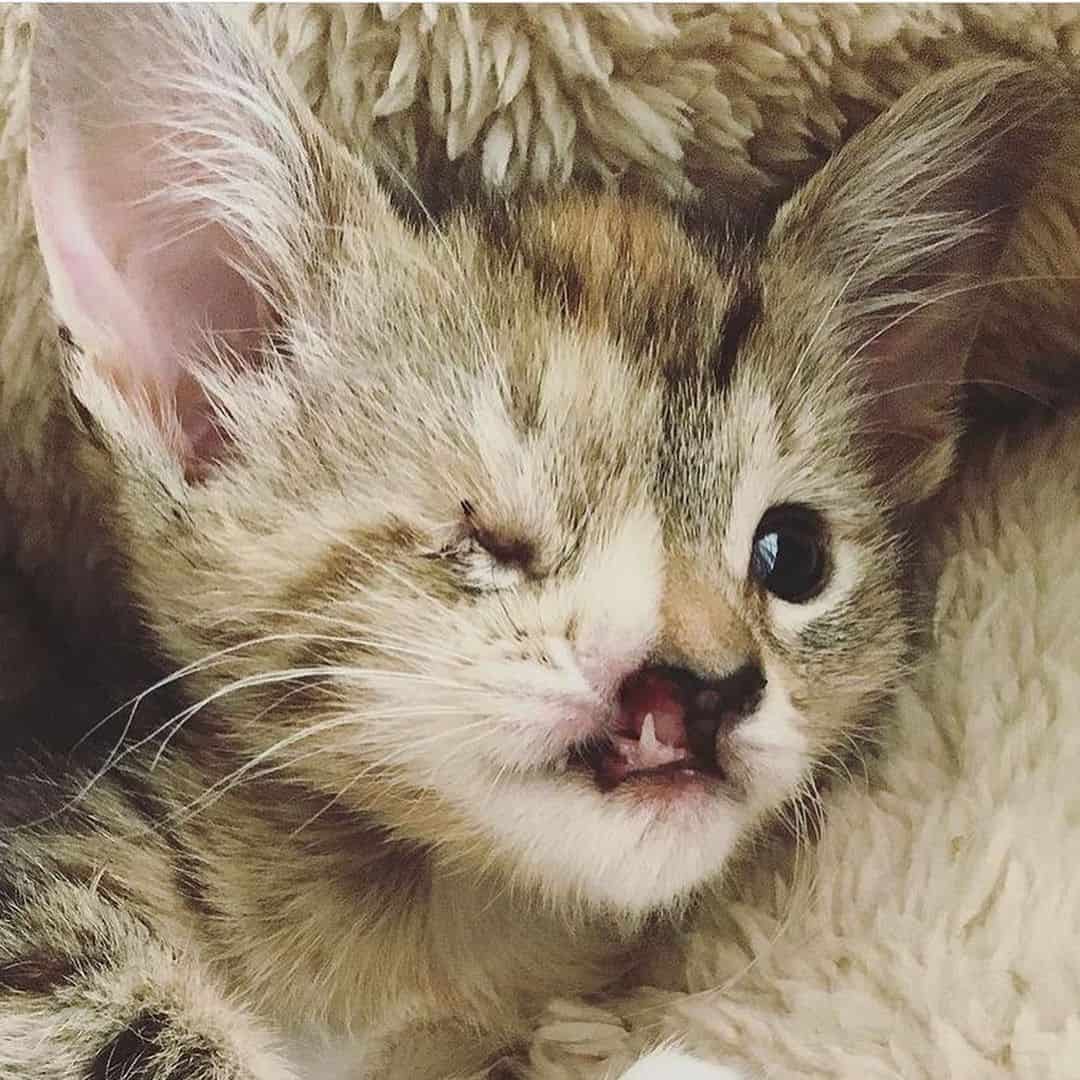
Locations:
172 185
907 224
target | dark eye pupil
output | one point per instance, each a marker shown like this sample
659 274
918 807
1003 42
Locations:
789 555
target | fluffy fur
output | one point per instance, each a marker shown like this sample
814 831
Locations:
360 473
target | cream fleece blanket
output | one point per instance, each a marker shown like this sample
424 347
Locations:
935 931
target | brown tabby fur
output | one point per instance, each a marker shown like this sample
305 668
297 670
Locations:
474 471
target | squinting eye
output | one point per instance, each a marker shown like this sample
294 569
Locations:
480 571
790 554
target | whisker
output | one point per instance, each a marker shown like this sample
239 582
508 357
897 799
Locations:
382 642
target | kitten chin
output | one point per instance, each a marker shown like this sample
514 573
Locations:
519 572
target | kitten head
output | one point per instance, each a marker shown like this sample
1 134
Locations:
557 539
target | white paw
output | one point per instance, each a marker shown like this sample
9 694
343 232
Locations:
668 1064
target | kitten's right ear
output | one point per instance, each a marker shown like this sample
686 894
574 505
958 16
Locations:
180 199
898 237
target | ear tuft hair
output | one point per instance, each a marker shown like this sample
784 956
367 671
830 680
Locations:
174 188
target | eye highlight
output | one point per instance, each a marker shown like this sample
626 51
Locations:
790 556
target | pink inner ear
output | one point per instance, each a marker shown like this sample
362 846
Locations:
74 226
140 287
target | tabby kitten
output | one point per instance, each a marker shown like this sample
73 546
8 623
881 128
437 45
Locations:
516 574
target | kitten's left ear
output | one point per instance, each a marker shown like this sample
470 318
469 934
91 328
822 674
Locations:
894 243
176 191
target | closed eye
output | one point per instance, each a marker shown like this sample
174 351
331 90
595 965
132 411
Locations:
486 560
507 551
482 568
513 551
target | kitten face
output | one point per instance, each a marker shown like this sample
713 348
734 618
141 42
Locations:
554 539
526 509
598 473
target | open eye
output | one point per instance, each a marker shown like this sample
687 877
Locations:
790 555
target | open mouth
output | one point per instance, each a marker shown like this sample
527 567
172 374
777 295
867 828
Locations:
640 750
669 727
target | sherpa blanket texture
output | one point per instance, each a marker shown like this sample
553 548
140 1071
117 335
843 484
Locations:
935 930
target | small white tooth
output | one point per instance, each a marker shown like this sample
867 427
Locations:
648 738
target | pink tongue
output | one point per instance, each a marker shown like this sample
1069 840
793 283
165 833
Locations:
653 694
